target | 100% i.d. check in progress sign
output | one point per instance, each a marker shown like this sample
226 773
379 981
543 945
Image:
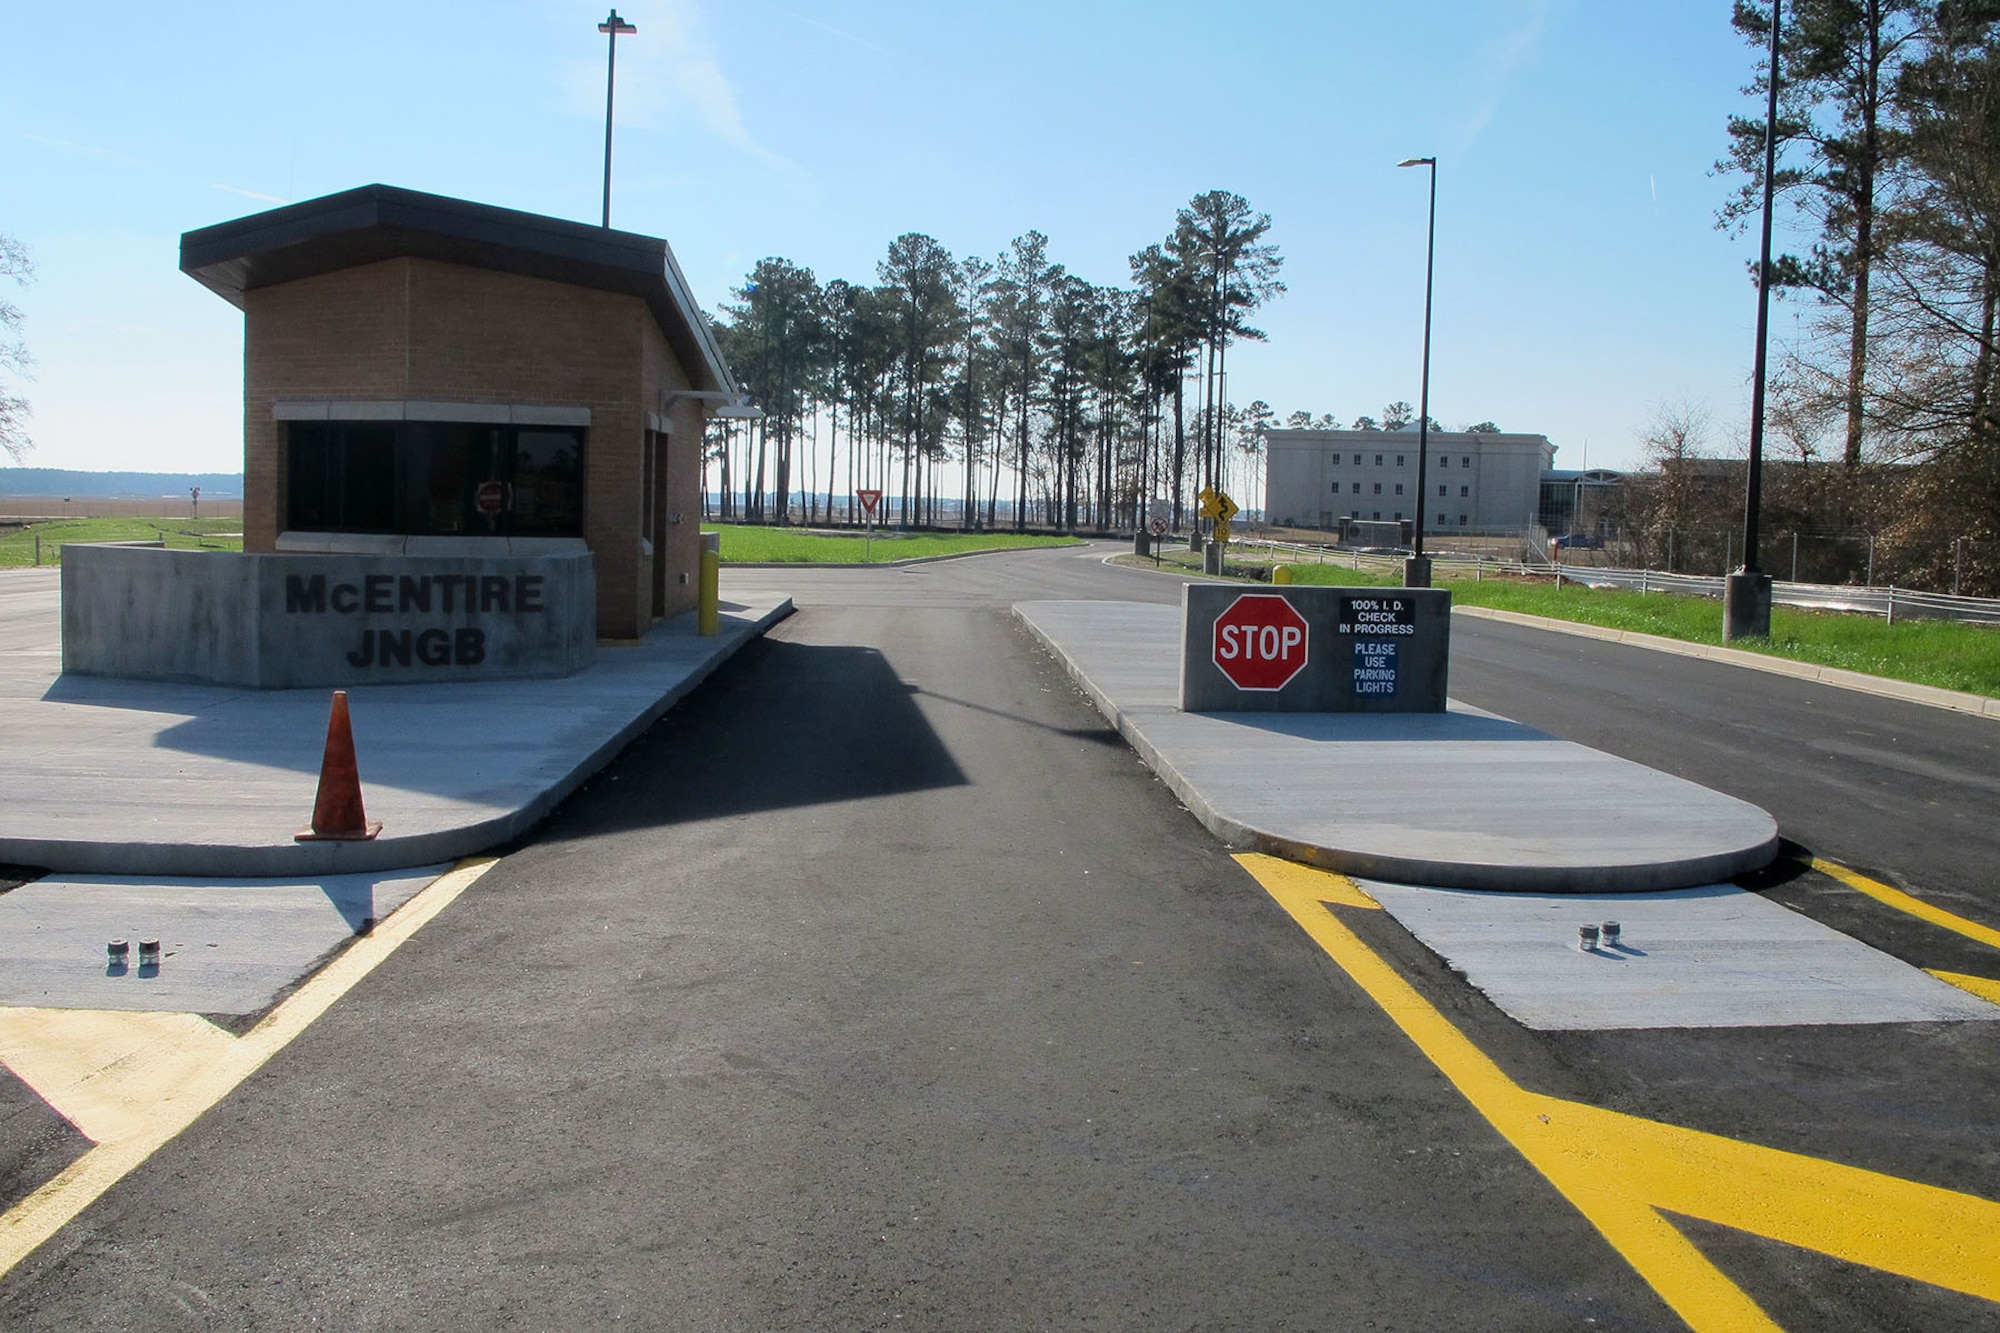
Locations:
1375 625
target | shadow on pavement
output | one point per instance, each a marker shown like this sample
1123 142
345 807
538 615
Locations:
1103 735
353 896
144 696
781 726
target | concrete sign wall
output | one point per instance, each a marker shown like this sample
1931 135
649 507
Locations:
278 621
1314 650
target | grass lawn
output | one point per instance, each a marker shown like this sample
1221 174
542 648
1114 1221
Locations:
1943 653
17 545
754 544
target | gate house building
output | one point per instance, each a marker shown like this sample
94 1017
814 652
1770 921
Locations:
424 375
471 444
1479 483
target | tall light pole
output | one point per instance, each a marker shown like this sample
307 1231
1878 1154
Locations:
611 27
1417 569
1746 594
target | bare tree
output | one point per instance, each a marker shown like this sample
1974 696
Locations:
14 358
1683 495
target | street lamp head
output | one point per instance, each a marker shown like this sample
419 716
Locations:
616 24
1418 162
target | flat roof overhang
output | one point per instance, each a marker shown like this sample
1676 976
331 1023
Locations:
377 222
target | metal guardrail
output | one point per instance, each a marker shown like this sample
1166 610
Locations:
1891 603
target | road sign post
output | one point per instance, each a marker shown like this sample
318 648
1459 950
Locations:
1219 509
869 499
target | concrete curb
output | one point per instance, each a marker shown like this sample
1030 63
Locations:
1629 877
386 853
1928 695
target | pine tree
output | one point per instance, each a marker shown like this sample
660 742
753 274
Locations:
1838 64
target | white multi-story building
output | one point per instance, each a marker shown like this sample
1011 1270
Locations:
1477 483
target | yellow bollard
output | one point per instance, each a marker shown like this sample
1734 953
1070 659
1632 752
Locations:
709 616
1281 574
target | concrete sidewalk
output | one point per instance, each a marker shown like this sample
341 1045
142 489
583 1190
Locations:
1462 799
122 777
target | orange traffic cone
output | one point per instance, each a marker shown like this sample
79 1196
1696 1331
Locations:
337 812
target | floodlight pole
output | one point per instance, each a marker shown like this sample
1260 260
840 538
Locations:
1746 593
1417 569
611 27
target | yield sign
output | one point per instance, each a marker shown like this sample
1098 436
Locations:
1260 642
869 499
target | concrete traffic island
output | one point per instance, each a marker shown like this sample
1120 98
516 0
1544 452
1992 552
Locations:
1459 799
123 777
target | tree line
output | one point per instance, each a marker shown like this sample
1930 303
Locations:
962 385
1889 160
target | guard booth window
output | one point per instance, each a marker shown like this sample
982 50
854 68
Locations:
423 478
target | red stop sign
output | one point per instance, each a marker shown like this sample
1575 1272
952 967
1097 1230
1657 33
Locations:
1260 642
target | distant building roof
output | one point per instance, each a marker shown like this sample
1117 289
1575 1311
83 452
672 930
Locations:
377 222
1399 435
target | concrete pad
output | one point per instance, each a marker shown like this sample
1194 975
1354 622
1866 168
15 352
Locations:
1715 956
227 948
1463 799
111 776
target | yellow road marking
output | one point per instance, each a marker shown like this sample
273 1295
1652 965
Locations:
1986 988
1623 1172
1289 877
184 1074
1903 902
104 1072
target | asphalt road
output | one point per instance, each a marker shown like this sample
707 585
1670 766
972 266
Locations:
880 986
1878 783
1903 792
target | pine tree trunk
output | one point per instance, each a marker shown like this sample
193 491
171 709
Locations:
1180 446
1021 464
1864 235
726 498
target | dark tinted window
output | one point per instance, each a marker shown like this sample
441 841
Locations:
437 468
343 476
424 478
548 482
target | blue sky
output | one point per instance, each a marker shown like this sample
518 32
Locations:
1580 280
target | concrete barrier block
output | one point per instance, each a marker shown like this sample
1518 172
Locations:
325 618
1314 650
